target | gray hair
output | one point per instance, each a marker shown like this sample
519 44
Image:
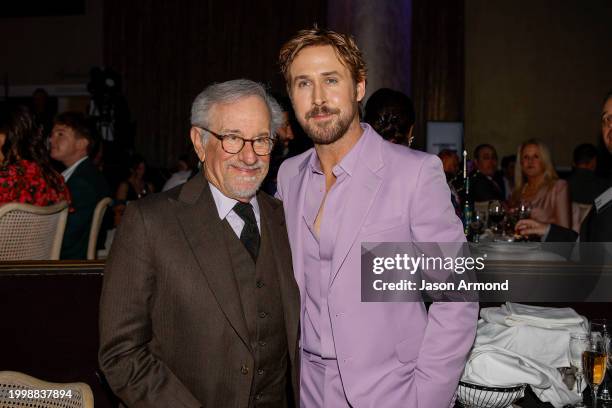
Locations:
229 92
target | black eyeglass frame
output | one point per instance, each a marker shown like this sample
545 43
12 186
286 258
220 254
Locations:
222 138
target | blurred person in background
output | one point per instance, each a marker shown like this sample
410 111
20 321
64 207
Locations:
43 110
450 165
505 177
26 174
584 184
391 114
289 142
134 187
185 169
538 184
483 187
71 142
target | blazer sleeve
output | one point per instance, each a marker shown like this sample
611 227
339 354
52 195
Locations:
134 373
557 233
451 326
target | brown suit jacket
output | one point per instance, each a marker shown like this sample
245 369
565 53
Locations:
172 330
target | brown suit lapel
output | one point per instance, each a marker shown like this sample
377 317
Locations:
199 219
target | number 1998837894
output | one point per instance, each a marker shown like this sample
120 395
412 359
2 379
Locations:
39 394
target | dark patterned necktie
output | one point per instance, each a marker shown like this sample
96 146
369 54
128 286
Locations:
250 233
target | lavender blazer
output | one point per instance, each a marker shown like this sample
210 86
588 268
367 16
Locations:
396 194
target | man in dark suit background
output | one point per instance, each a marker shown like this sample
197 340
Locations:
482 185
199 305
584 184
71 142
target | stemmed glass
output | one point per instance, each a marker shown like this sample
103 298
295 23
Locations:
477 226
496 214
594 362
603 326
524 210
578 344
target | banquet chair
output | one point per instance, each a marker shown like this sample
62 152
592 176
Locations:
579 213
30 232
96 222
20 390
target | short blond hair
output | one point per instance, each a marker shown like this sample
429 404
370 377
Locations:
344 46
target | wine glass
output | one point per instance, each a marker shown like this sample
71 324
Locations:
594 362
524 210
603 326
578 344
477 226
496 214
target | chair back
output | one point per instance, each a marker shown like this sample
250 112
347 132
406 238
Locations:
96 222
579 213
21 390
30 232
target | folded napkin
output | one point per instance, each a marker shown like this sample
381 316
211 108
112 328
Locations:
513 314
495 366
547 346
543 316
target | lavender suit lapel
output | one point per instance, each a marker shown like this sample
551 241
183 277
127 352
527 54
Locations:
365 184
294 218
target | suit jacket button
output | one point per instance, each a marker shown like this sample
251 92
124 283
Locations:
262 315
260 284
244 369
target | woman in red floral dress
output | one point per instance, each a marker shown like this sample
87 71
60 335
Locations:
26 175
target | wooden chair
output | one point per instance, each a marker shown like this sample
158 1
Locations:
96 222
21 390
30 232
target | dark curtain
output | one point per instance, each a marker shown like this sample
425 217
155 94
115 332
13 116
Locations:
167 52
437 63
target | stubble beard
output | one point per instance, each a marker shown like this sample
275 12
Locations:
328 132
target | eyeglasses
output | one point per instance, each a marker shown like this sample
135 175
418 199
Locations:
233 144
607 121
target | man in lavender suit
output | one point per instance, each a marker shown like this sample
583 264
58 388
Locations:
355 187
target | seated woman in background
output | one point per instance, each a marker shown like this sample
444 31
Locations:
537 184
26 175
133 188
391 114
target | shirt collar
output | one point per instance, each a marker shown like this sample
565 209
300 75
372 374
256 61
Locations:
225 204
349 161
68 172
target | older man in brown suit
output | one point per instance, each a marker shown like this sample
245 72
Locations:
199 306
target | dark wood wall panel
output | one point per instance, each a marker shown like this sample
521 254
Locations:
167 52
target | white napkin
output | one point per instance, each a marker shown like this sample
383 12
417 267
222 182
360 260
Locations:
495 366
543 316
513 314
518 343
547 346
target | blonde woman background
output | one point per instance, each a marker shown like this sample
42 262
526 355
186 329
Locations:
538 184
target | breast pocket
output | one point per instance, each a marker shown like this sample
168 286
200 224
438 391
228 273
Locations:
394 228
